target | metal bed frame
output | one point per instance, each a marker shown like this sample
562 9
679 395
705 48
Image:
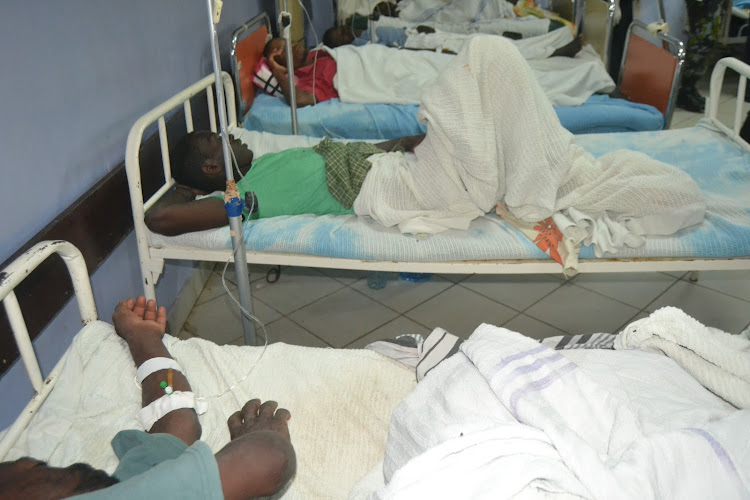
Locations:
14 274
152 258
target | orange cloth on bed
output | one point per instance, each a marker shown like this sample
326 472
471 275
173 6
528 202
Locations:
324 71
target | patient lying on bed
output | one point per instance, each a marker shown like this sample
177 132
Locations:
323 180
314 72
169 461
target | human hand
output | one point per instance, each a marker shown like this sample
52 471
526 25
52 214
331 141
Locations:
138 318
274 62
188 191
254 417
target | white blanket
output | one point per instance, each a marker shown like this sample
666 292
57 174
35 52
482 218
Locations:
341 401
493 138
508 418
453 10
718 360
379 74
534 48
528 26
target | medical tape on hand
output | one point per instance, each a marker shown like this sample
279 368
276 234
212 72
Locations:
154 365
177 400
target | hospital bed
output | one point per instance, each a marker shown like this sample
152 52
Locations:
711 152
388 121
338 426
341 400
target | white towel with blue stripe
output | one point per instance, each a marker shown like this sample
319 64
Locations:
510 418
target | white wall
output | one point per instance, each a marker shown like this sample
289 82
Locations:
74 76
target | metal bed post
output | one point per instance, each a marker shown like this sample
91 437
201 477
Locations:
285 23
11 277
234 205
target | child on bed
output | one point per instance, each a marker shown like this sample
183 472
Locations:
169 461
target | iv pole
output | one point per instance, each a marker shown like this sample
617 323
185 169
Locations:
285 23
232 202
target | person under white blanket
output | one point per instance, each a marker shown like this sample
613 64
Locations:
509 418
378 74
494 139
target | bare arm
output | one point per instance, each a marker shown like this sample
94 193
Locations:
142 326
178 212
304 98
259 460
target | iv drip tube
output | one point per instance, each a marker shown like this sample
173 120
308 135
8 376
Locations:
234 205
285 22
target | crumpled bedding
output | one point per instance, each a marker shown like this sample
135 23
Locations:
482 151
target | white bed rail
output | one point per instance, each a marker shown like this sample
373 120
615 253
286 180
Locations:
151 268
717 82
10 277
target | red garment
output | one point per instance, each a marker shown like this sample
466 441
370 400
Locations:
325 70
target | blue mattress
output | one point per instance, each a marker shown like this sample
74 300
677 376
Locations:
719 166
389 121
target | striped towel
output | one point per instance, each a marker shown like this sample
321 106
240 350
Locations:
426 354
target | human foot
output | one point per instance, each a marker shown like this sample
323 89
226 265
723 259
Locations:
571 49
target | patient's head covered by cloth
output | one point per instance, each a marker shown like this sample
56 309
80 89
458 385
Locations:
493 138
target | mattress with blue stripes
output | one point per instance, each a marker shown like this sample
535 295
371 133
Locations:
599 114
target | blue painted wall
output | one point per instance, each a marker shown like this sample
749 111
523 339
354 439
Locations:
75 76
323 16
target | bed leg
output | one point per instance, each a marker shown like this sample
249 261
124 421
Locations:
693 276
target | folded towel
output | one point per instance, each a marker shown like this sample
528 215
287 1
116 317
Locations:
718 360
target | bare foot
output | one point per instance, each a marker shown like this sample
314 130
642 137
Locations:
254 417
571 49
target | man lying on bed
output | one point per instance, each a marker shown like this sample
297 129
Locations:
170 461
323 180
315 71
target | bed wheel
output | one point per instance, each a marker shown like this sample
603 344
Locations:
273 274
693 276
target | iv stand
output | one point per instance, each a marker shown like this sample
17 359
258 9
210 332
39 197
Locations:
235 205
285 23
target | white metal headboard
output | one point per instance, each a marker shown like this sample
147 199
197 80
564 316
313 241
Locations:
133 165
712 108
10 277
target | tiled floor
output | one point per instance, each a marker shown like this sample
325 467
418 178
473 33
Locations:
322 307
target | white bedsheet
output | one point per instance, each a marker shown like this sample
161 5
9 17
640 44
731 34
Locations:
378 74
340 400
532 49
454 10
509 418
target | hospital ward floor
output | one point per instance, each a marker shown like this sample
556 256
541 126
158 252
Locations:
323 307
